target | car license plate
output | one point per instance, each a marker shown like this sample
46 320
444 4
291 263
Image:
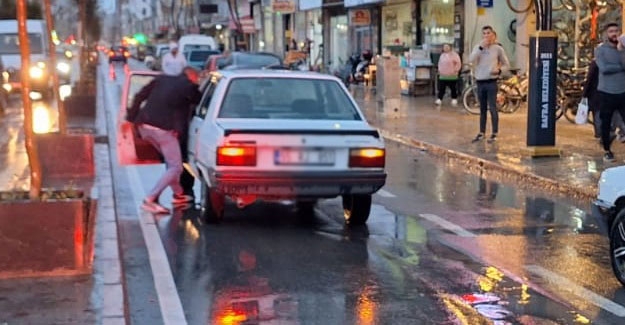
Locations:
304 157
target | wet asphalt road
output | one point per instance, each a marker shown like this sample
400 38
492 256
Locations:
441 247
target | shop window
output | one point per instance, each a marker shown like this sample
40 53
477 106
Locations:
438 22
397 25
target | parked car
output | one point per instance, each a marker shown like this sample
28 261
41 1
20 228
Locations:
251 60
119 54
609 208
154 62
212 64
197 58
272 135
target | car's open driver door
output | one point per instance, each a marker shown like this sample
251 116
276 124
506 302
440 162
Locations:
131 149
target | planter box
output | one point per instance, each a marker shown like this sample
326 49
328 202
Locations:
46 238
80 111
66 160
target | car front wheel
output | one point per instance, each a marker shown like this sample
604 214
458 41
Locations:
617 246
211 204
356 208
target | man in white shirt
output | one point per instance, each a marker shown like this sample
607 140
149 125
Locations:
173 62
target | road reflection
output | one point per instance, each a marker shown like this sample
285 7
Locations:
269 269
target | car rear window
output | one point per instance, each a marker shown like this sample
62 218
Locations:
256 60
287 98
197 56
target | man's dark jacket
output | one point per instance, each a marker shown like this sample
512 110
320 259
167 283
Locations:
169 101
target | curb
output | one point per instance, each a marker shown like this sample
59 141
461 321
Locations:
108 256
482 166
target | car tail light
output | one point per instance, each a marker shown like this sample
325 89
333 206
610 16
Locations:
111 53
236 156
367 157
126 54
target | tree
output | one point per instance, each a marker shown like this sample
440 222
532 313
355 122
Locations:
93 28
8 10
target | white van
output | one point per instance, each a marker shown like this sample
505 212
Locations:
11 58
190 42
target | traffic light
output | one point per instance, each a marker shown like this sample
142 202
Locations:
140 38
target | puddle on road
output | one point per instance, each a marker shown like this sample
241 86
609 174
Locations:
487 202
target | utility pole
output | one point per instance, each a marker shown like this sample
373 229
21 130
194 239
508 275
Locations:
52 67
29 136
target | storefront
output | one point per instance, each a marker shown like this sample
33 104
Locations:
267 41
364 22
438 23
308 28
335 34
399 24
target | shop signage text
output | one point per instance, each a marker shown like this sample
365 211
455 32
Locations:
310 4
485 3
360 17
354 3
283 6
544 107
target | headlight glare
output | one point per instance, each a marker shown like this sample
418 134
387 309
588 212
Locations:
63 67
36 72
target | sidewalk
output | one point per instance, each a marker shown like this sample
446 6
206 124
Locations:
447 132
96 298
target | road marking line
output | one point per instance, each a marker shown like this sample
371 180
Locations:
168 299
581 292
384 193
447 225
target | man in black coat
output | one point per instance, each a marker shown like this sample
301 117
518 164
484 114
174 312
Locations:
164 121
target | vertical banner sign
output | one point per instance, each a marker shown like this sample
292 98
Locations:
541 121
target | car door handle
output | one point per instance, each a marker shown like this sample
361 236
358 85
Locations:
196 131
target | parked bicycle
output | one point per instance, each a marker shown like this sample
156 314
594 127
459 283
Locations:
509 97
570 86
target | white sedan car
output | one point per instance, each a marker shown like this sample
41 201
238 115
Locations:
275 135
609 208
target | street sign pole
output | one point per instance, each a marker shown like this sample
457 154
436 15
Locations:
541 121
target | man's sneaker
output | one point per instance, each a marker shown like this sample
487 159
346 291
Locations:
154 207
182 199
454 102
438 102
492 138
479 137
609 156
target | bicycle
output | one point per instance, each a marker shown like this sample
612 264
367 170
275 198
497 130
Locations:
509 96
570 91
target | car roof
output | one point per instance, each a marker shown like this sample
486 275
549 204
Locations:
257 73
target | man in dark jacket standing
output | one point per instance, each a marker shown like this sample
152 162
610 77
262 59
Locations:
161 122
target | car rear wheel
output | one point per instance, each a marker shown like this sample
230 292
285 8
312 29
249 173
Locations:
617 246
212 204
356 208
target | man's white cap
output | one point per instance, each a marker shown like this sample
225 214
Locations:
173 45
